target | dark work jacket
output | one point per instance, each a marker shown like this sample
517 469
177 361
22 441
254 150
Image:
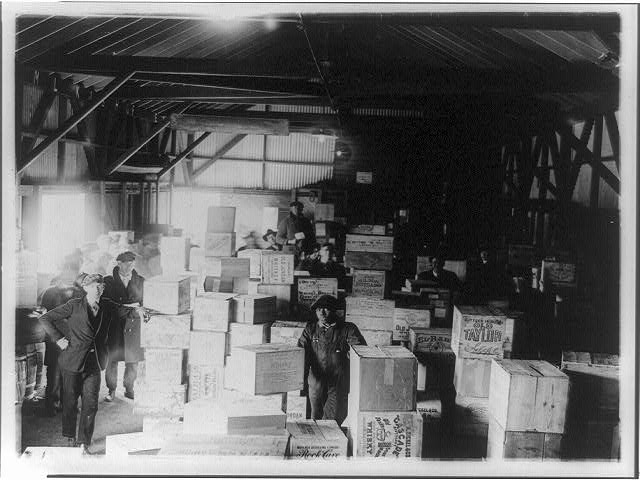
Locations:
327 353
75 321
446 279
293 224
124 335
53 297
330 269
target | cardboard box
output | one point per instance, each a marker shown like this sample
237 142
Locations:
137 443
283 294
221 219
528 395
254 309
368 260
212 311
205 381
277 268
316 439
478 331
247 415
377 337
369 243
407 318
324 212
368 283
269 368
386 434
382 378
369 313
433 340
471 377
174 254
503 444
287 332
166 331
310 289
168 294
159 399
255 261
219 244
166 365
245 334
190 446
162 427
296 406
367 229
207 348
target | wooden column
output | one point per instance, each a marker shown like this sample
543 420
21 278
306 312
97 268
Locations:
597 153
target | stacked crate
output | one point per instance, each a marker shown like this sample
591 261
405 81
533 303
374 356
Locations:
382 417
369 252
373 317
477 338
324 217
310 289
225 274
527 409
277 280
174 254
593 406
220 237
252 319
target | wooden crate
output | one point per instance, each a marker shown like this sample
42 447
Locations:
221 219
505 444
471 377
255 261
296 406
139 443
284 297
168 365
246 334
273 445
368 260
324 212
219 244
367 229
212 311
254 309
207 348
310 289
286 332
385 434
316 439
277 268
166 331
369 283
528 395
168 294
471 416
406 318
377 337
159 399
369 313
431 340
174 254
382 378
205 381
478 331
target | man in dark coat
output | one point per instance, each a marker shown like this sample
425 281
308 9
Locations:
80 329
440 277
124 287
326 343
296 230
326 266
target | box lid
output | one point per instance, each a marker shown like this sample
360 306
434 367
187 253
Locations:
532 368
382 351
167 278
269 348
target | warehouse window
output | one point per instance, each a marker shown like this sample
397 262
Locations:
61 228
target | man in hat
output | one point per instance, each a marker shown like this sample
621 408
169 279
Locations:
79 329
124 287
440 277
270 238
296 230
326 343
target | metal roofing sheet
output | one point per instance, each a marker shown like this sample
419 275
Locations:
285 177
300 147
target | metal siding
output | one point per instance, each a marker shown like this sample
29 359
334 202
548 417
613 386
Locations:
286 177
300 147
45 167
32 95
231 174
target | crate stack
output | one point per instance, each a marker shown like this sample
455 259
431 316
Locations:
220 237
324 219
477 337
373 317
255 267
593 416
277 280
527 410
382 417
175 259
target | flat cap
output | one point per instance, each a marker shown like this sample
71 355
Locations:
127 256
85 279
326 301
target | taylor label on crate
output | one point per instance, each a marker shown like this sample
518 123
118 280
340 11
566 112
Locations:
277 268
478 331
168 294
255 261
316 439
406 318
310 289
386 434
166 331
431 340
368 283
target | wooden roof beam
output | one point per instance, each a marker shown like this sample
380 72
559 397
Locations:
230 124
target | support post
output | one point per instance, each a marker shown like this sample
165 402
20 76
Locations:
219 154
190 148
597 152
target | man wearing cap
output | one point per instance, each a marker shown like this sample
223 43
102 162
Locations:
124 287
270 238
326 343
296 229
80 328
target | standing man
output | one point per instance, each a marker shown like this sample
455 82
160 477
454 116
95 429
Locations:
326 344
80 328
296 230
124 287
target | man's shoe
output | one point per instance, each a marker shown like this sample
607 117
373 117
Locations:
110 396
71 442
85 449
129 395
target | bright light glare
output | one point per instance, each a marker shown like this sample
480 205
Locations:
270 24
61 228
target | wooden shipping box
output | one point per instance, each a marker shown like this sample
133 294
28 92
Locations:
196 259
296 406
369 260
370 313
166 331
190 446
221 219
432 340
369 243
528 395
245 334
167 365
472 376
505 444
234 414
367 229
174 254
162 427
406 318
254 309
377 337
369 283
168 294
553 272
219 244
277 268
429 405
286 332
284 296
316 439
137 443
212 311
269 368
205 381
225 267
385 434
478 331
382 378
159 399
255 261
324 212
521 256
471 416
310 289
207 348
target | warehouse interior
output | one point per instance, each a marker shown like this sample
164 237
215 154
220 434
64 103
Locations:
405 134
